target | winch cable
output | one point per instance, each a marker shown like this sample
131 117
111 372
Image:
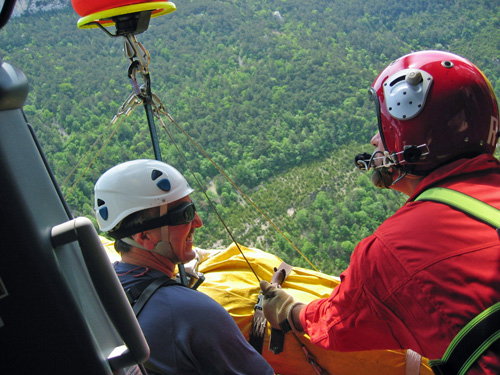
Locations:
207 197
123 112
140 59
163 111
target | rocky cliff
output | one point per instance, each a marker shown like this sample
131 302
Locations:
34 6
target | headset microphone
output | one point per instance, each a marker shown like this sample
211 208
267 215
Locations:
363 161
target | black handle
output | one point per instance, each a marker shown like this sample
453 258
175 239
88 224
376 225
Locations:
108 288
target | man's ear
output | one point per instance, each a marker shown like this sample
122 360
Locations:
144 239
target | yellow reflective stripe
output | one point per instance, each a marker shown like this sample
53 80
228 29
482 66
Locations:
463 202
491 216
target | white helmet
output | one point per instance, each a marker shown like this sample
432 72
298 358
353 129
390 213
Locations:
134 186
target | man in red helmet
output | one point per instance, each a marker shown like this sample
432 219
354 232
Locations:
429 269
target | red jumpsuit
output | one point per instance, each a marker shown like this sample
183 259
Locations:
425 273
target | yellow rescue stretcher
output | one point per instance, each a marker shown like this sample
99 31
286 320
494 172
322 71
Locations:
230 281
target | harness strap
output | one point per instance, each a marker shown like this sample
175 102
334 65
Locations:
139 294
482 331
277 340
463 202
470 343
259 322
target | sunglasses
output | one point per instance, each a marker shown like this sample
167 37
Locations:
183 213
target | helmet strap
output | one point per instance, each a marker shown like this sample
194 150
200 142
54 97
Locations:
383 177
164 247
402 174
130 241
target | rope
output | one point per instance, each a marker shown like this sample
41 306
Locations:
126 109
236 187
158 109
134 49
310 358
83 158
208 198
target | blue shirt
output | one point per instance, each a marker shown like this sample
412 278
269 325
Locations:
190 333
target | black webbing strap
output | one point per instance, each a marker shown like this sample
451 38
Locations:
277 340
259 321
470 343
139 294
482 331
258 329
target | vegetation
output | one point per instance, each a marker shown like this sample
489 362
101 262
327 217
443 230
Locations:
274 92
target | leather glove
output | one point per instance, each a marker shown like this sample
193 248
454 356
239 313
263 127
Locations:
277 306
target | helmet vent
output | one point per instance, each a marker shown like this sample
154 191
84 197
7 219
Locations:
164 184
100 202
155 174
103 211
395 81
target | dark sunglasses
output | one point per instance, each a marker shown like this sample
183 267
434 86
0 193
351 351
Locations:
183 213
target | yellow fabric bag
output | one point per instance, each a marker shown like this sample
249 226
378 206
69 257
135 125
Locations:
230 281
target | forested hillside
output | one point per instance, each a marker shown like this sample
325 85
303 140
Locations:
275 92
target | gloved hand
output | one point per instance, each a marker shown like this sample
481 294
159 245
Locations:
277 306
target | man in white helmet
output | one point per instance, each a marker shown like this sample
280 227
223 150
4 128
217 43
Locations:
145 206
429 269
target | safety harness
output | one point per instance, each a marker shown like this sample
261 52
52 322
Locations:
139 294
482 331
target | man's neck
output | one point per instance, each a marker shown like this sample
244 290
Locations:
408 184
150 259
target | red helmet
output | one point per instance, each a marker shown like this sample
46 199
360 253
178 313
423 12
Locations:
434 107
